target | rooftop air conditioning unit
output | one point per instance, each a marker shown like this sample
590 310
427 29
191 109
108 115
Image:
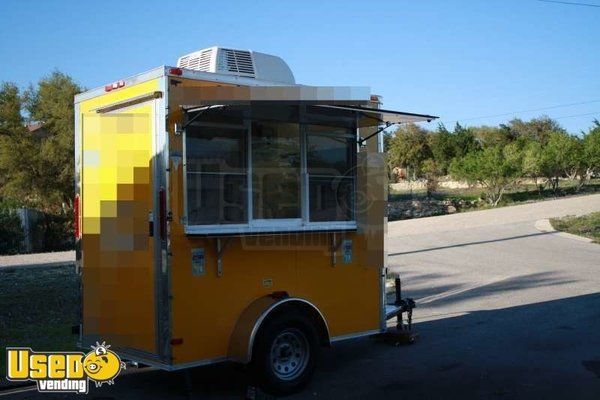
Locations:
244 63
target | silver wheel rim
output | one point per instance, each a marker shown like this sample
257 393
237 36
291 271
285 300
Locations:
289 354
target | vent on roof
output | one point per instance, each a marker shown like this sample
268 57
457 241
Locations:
203 63
238 61
199 61
243 63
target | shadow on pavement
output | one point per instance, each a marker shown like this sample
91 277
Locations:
469 244
547 350
456 292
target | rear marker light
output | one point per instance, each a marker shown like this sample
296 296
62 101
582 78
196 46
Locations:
76 229
176 341
114 85
176 71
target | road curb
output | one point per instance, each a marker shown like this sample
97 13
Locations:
544 225
56 264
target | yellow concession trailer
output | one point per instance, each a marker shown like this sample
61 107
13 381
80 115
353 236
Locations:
226 213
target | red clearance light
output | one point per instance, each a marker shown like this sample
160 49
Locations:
176 71
176 341
114 85
76 230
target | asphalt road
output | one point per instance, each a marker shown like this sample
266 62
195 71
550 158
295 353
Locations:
505 312
38 260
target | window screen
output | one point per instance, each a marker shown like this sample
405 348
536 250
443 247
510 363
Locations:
331 156
276 170
216 175
272 167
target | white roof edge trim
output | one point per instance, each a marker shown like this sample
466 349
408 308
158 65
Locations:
131 80
360 93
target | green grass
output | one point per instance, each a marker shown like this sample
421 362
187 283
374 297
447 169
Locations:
38 307
586 225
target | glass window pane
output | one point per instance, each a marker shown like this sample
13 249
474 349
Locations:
331 199
216 198
330 155
215 149
276 170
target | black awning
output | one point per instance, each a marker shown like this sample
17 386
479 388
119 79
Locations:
377 116
365 116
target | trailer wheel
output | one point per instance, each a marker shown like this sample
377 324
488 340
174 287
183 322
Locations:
285 354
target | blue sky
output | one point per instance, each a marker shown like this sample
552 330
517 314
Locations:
456 59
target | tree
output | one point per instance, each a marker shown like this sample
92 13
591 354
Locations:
11 130
11 120
490 136
495 168
591 150
431 172
21 168
409 147
465 141
37 170
561 156
532 153
536 129
443 149
52 103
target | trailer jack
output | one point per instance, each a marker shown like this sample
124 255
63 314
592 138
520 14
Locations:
402 333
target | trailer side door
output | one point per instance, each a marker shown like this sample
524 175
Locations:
118 233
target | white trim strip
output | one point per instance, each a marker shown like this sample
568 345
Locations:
355 335
248 229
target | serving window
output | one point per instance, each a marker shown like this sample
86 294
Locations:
331 155
269 169
216 175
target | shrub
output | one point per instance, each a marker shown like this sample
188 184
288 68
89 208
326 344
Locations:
11 232
57 233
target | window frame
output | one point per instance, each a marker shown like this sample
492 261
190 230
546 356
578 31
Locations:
241 127
267 226
353 165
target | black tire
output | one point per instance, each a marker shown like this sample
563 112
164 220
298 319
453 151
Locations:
285 354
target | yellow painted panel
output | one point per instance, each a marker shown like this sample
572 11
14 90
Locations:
117 251
118 255
118 95
206 307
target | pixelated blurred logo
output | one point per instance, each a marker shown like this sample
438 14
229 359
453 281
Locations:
64 371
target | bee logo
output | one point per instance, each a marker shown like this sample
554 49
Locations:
102 365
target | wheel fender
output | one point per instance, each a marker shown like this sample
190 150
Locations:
246 328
